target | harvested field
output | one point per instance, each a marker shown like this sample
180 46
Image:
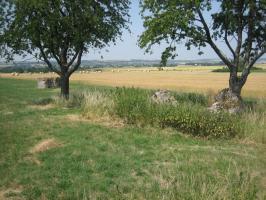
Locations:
191 79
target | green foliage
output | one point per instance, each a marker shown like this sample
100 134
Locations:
175 21
132 105
24 70
60 30
135 106
193 98
56 26
225 69
188 116
199 122
240 24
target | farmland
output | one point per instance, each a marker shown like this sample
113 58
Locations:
132 100
194 79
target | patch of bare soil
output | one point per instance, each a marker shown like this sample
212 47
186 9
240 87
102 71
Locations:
11 193
45 145
105 121
42 107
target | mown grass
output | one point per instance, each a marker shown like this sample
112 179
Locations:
102 162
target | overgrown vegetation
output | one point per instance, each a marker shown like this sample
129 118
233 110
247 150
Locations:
189 115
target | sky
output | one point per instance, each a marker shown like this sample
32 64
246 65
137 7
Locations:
128 48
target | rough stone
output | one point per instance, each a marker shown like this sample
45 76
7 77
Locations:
48 83
163 96
227 101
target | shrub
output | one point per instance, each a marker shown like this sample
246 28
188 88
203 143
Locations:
191 98
132 105
135 107
198 121
225 69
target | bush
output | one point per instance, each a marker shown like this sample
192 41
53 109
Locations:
191 98
135 107
225 69
198 121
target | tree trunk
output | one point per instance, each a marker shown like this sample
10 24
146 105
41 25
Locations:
235 84
64 86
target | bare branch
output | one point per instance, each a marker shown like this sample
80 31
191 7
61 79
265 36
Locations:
253 61
250 31
239 33
77 64
246 71
47 61
210 41
73 59
228 44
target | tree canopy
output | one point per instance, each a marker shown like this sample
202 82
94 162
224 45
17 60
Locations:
62 30
240 24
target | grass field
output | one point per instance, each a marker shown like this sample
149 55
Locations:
195 79
50 152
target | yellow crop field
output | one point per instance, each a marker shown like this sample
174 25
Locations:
196 79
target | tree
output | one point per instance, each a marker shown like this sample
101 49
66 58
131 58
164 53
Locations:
59 32
240 24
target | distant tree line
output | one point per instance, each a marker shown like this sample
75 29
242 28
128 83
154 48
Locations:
24 70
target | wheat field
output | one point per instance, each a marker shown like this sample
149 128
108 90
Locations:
193 79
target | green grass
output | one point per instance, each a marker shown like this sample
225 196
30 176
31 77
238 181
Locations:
100 162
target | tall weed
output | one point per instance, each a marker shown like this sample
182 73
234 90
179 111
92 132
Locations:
189 114
136 107
97 104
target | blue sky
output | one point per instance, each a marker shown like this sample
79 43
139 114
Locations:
128 48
